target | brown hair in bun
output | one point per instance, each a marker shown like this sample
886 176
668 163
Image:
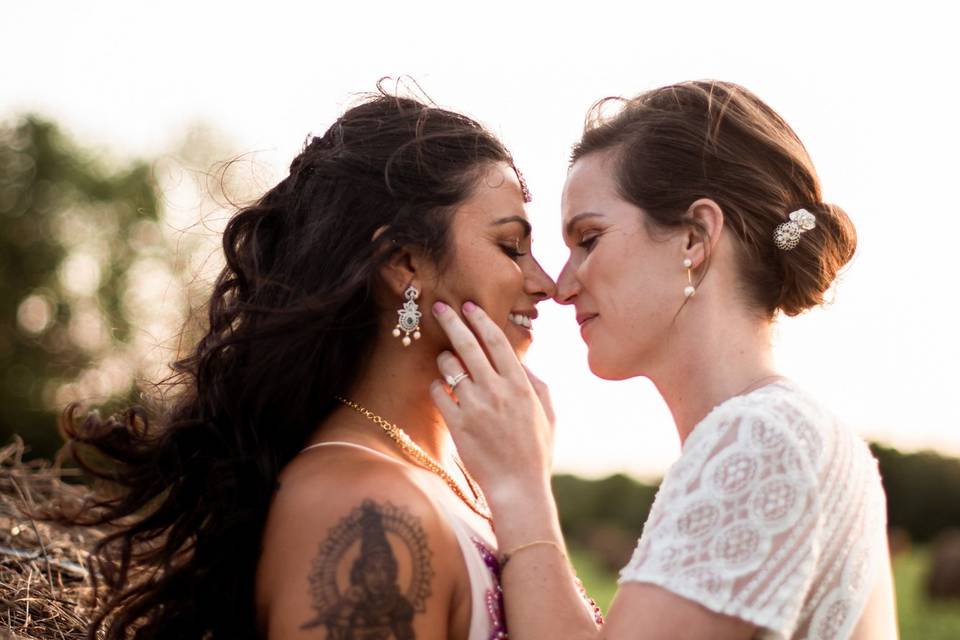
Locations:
717 140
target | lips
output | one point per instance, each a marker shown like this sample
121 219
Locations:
530 313
584 317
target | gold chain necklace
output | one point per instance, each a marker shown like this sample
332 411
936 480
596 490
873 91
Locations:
478 504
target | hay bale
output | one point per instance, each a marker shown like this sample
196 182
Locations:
45 590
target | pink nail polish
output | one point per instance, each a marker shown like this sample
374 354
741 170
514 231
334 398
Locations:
469 306
439 307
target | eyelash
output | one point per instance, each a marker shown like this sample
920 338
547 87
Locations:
587 243
515 254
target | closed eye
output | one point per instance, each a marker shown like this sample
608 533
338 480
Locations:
587 242
513 252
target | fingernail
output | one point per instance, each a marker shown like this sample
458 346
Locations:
469 306
439 307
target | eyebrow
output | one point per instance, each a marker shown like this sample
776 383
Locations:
523 221
568 230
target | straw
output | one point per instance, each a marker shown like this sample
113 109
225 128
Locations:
45 591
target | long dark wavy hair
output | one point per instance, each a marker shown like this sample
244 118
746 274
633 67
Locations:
291 321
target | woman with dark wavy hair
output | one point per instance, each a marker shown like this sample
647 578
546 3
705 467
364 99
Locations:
304 485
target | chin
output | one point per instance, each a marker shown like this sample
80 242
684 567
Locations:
519 340
520 347
608 368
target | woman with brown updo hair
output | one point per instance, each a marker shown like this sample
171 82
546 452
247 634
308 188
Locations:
694 217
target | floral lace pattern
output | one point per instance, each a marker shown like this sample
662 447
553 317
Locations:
774 513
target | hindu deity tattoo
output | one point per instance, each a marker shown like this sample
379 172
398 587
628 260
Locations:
355 581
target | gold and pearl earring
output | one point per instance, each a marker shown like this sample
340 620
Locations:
409 317
689 290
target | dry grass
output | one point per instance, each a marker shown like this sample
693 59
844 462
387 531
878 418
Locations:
44 587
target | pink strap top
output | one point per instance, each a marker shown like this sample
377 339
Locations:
479 551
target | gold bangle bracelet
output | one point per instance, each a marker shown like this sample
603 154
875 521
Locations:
505 558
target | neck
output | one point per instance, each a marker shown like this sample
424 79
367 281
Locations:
723 356
395 385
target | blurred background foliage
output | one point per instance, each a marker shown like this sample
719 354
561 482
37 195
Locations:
73 233
105 265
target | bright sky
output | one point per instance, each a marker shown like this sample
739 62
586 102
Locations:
872 92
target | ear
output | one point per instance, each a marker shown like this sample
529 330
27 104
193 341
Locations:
399 272
703 233
407 266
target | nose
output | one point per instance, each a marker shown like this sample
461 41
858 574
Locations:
567 286
538 284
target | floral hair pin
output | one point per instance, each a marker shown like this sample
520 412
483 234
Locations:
787 235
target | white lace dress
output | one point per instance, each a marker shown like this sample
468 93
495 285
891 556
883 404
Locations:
774 513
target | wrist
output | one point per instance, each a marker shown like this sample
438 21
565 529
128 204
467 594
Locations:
506 556
524 516
517 496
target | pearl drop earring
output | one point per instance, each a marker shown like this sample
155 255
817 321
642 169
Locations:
409 317
688 290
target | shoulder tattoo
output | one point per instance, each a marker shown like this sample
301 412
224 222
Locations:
356 585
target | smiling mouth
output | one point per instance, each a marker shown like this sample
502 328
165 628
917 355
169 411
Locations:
521 320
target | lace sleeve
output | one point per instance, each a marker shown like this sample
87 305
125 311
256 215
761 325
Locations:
736 523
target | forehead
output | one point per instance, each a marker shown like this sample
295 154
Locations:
590 186
497 194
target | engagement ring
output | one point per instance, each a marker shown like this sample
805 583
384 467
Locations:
453 381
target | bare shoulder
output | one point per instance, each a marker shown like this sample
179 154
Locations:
352 545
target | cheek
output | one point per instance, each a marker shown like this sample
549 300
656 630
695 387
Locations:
629 288
490 279
502 288
511 278
497 276
636 308
607 277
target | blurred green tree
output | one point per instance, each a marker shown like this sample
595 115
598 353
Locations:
70 232
923 491
604 517
106 266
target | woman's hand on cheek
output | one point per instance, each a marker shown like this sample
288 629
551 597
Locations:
499 417
543 394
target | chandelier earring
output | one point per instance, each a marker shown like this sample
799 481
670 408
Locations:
689 290
409 317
